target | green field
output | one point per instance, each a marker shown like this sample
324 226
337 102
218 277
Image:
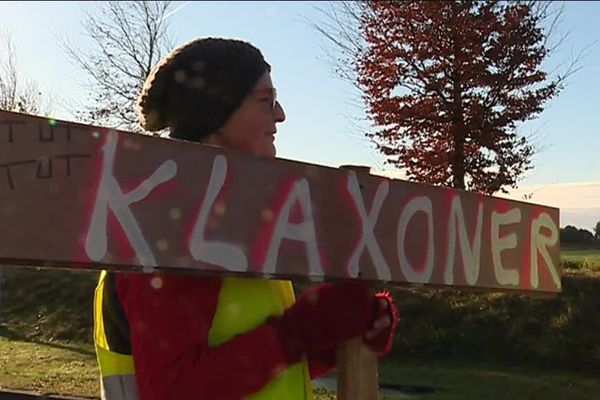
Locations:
67 369
586 259
467 345
48 367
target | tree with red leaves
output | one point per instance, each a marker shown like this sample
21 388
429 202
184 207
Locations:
446 84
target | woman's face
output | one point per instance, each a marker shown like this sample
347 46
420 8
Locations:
252 126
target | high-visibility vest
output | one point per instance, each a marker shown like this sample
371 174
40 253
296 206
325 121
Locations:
243 304
111 339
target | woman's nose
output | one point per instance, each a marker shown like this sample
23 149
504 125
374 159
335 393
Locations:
278 113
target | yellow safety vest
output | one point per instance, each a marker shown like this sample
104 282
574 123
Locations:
243 305
117 374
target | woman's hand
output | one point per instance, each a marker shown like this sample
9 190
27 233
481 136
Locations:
380 333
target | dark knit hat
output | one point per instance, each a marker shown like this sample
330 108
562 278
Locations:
196 88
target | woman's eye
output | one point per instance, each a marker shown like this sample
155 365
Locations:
267 101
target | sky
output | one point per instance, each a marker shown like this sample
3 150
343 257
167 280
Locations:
325 122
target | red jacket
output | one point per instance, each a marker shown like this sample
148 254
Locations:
170 317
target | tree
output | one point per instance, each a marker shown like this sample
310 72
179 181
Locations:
572 235
127 40
446 84
597 230
16 93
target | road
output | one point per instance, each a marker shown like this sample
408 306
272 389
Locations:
17 395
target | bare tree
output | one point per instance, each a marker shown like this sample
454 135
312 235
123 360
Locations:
127 40
17 93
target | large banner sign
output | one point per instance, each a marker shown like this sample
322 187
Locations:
76 196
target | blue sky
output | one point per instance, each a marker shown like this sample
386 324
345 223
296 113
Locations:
323 124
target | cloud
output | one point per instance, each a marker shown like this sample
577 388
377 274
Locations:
579 202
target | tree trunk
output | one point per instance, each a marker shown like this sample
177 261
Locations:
458 127
458 161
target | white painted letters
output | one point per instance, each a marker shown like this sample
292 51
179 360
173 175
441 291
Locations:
539 244
368 221
215 252
470 251
111 196
504 276
417 204
304 232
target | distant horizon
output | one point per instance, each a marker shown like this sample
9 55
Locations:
577 201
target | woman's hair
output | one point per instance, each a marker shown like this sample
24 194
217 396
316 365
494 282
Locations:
196 88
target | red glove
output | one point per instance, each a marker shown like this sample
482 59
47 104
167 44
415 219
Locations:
383 306
323 317
379 339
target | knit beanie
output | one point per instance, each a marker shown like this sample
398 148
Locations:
195 89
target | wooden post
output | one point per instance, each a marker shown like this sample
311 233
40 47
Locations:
357 368
357 371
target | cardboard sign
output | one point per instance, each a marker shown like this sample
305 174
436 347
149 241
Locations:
79 196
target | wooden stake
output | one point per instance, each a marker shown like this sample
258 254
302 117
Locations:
357 371
356 363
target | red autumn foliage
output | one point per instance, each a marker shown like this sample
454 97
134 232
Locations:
447 83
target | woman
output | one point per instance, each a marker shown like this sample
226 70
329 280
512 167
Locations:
223 338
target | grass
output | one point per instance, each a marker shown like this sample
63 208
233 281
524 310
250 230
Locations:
48 304
467 381
581 259
71 370
466 344
48 368
537 330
